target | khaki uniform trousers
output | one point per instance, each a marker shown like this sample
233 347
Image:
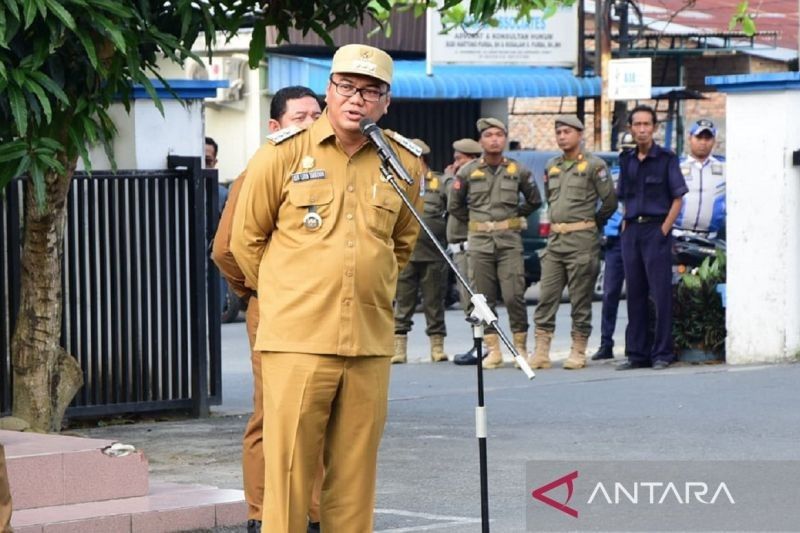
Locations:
313 399
252 445
5 495
504 267
431 278
460 259
578 272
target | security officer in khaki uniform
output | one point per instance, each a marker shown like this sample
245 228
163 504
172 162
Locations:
426 271
464 151
574 183
323 237
486 194
290 106
5 495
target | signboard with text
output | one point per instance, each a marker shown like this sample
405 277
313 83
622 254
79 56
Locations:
630 78
540 42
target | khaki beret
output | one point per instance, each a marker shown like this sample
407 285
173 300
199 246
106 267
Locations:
364 60
468 146
626 141
422 146
485 123
569 120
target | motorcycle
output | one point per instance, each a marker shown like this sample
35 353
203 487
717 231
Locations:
689 250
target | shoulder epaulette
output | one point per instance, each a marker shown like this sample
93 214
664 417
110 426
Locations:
405 142
286 133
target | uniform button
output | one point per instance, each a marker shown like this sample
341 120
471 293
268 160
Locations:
349 216
350 244
346 302
312 198
350 188
349 273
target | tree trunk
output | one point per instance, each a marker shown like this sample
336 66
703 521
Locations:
46 377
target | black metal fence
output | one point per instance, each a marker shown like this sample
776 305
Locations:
141 297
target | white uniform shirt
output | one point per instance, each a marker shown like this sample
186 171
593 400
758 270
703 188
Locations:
703 207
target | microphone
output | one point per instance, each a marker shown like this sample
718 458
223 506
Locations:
371 131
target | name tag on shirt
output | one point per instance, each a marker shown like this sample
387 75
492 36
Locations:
310 175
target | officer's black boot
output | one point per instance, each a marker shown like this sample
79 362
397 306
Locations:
254 526
604 352
467 358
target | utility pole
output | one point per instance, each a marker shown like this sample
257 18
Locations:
620 107
581 67
602 55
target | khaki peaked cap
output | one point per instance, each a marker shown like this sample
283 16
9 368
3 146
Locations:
569 120
468 146
422 146
364 60
486 123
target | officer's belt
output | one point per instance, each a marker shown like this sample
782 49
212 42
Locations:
516 223
569 227
458 247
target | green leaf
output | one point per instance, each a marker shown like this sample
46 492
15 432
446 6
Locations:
12 8
148 86
50 85
63 15
258 43
12 150
79 145
17 101
51 163
30 12
748 26
37 90
88 45
741 9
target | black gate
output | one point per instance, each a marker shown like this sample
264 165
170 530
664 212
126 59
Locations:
141 297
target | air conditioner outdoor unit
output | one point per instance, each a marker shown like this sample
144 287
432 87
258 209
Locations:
231 68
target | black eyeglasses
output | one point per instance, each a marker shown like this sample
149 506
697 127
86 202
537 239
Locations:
367 93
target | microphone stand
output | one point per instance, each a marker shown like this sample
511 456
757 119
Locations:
480 317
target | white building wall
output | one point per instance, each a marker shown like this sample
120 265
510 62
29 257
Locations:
145 138
763 192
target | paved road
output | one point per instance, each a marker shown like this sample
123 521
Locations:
428 475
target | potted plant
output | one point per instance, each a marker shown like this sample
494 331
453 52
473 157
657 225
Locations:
698 318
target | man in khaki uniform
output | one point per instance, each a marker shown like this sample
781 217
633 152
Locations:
297 106
318 231
486 194
574 183
464 151
426 271
5 495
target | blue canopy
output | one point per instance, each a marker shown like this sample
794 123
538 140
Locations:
473 82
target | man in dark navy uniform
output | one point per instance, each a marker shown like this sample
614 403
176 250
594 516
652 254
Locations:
651 187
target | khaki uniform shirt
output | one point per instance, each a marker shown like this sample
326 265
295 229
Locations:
328 290
434 213
573 189
221 252
480 195
457 230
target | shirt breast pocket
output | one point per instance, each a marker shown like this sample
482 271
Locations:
653 186
383 207
307 198
509 191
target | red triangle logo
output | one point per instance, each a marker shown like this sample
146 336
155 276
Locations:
567 480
